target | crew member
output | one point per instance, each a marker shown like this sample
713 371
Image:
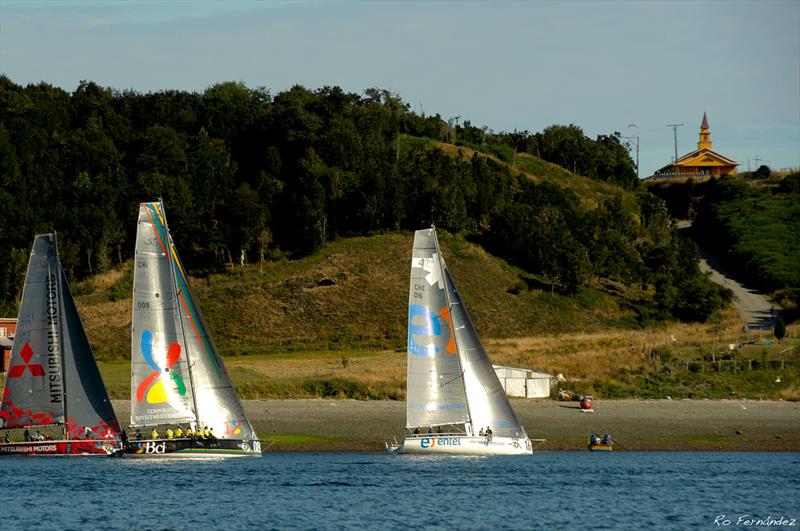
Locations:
154 434
170 434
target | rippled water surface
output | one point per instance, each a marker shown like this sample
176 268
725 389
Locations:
549 490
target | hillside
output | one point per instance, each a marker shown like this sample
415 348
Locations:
352 294
750 225
590 192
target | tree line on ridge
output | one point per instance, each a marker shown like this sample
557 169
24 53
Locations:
248 175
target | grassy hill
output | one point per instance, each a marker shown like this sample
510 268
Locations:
352 294
334 325
590 192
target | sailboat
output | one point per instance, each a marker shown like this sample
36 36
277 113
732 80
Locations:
177 377
455 403
53 379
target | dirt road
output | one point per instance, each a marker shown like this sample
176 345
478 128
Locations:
754 306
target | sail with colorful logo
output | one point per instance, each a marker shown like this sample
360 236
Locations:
455 403
54 400
178 379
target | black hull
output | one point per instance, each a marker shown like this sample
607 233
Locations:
193 448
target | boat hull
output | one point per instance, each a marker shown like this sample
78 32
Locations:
193 448
600 447
466 445
101 447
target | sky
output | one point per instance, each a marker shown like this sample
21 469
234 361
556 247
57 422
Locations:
605 66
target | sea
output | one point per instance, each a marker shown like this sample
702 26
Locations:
377 491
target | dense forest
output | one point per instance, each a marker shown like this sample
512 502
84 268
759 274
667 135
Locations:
247 175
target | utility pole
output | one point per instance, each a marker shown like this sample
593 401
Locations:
675 133
636 138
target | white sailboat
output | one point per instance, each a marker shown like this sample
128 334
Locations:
177 377
455 403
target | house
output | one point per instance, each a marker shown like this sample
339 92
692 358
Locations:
8 326
703 162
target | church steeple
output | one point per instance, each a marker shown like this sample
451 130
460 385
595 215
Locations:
705 135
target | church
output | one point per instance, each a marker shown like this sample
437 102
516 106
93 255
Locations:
703 162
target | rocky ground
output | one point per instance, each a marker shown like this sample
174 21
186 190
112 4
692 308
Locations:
642 425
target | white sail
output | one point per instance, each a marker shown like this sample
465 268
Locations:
488 404
161 389
435 386
182 359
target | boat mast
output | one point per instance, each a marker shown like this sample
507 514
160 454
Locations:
180 310
61 339
452 326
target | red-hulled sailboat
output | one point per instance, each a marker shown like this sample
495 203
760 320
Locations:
53 381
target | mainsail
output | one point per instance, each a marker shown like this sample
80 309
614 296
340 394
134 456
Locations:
53 377
450 377
435 385
176 373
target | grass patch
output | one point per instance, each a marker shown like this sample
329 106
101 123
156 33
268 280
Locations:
298 439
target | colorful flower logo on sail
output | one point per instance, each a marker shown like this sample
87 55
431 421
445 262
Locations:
155 385
233 427
26 353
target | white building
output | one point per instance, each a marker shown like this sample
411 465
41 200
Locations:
524 383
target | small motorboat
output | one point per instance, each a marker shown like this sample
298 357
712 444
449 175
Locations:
604 444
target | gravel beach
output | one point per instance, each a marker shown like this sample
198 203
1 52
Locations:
644 425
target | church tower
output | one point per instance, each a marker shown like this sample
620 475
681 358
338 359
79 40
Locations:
702 163
705 135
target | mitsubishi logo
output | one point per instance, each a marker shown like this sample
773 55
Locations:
18 370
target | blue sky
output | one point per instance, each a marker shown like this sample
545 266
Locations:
520 65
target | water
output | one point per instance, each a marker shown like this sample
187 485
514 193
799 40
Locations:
364 491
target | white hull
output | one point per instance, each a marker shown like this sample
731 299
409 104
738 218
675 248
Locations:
466 445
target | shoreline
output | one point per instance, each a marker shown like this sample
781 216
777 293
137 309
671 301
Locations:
311 425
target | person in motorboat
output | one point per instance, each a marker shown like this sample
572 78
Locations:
593 439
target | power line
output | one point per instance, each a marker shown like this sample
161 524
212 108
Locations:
759 160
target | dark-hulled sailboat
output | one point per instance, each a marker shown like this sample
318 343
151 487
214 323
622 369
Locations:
177 377
53 379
